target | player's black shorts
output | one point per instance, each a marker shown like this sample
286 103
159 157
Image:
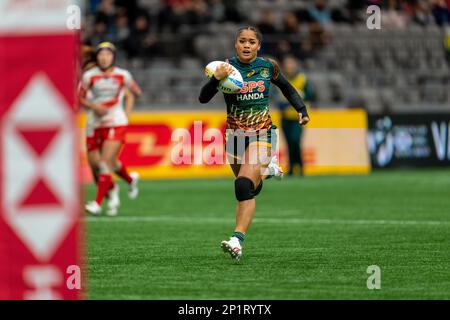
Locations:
237 141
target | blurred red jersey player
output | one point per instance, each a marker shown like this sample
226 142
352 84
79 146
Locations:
108 92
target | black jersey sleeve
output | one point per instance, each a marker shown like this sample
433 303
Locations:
209 90
291 94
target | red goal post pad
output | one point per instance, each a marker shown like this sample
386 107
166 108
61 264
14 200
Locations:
40 222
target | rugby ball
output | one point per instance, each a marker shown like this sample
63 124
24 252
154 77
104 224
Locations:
231 84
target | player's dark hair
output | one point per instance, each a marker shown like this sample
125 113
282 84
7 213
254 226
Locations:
88 57
251 28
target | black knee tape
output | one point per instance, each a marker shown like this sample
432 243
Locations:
244 189
258 188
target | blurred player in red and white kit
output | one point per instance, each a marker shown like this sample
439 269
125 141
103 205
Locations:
93 152
108 92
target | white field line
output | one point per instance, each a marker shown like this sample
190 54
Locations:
196 219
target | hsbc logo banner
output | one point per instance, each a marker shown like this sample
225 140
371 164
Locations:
40 249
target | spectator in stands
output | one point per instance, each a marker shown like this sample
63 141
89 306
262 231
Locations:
266 23
319 20
173 15
422 13
106 12
232 12
92 5
266 26
122 30
141 43
197 13
98 34
341 14
441 12
131 8
290 40
318 38
217 10
355 7
320 13
393 15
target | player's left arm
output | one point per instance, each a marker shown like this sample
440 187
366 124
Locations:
132 85
129 101
290 93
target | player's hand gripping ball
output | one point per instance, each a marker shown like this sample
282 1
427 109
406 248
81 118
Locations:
230 84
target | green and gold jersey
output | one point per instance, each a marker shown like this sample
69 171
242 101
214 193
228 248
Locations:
249 110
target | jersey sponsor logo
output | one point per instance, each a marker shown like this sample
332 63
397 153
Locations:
250 73
249 96
248 91
251 86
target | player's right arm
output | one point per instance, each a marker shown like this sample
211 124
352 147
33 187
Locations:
210 88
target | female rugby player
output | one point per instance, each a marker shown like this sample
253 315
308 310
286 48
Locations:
249 124
110 103
93 153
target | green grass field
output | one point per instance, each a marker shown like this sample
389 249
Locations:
312 238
